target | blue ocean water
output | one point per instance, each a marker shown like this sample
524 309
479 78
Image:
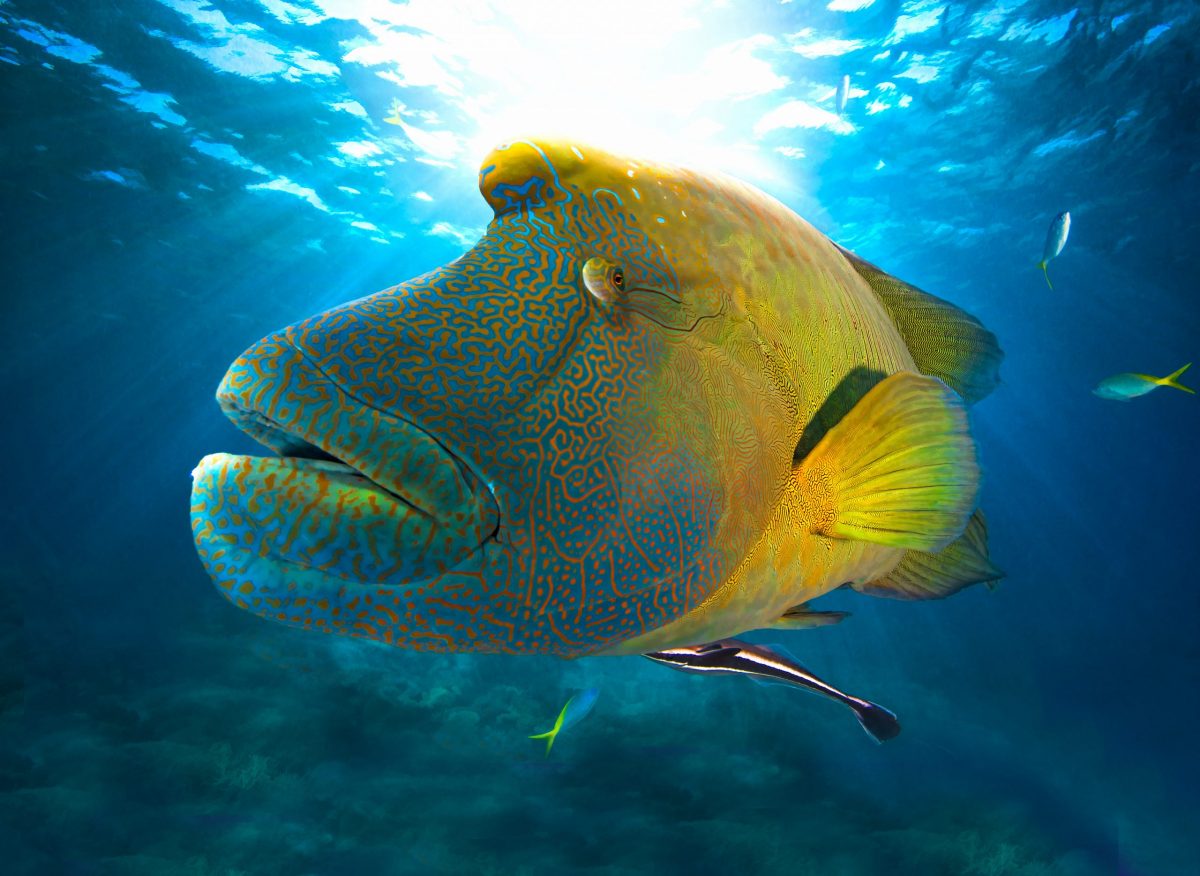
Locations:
181 177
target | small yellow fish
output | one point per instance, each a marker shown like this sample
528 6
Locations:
1123 387
395 118
576 709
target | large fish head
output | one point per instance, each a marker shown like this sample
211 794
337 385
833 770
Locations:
535 448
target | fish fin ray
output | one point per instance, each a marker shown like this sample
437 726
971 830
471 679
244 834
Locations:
922 575
801 617
1172 379
549 736
899 469
1042 264
945 341
881 724
552 734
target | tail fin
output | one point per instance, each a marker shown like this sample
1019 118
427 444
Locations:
881 724
1042 265
1173 379
551 734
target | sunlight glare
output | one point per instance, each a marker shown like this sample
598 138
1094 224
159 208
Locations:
650 79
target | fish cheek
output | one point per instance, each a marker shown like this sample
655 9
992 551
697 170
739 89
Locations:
735 422
616 516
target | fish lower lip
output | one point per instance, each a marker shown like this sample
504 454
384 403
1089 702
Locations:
266 524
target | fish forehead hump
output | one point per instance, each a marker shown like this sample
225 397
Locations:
686 214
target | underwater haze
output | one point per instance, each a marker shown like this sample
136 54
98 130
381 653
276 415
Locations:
181 178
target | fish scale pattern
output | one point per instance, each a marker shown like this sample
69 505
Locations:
605 527
540 462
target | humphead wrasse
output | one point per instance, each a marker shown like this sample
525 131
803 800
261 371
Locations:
650 408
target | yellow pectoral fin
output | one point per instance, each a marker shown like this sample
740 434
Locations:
899 469
922 575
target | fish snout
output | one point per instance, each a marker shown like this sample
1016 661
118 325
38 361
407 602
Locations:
277 395
355 496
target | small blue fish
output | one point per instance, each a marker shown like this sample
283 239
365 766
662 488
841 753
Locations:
1056 239
576 709
1123 387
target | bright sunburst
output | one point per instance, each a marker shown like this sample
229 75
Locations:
691 81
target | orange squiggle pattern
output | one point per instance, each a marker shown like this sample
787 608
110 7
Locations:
531 469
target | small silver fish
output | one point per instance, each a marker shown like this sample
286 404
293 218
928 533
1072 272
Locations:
742 658
843 94
1123 387
1056 239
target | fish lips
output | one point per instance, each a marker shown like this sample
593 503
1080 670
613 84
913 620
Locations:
360 494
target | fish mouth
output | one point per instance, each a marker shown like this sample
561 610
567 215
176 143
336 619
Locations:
293 449
354 496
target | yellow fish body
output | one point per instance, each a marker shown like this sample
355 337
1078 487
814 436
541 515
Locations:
651 407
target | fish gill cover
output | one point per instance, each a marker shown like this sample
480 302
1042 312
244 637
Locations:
181 178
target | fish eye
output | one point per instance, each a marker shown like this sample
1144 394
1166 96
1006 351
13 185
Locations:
603 280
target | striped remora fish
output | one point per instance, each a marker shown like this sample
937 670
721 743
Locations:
741 658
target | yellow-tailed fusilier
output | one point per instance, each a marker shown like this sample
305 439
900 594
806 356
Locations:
1056 239
575 710
1123 387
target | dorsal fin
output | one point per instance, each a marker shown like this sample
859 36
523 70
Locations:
945 342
